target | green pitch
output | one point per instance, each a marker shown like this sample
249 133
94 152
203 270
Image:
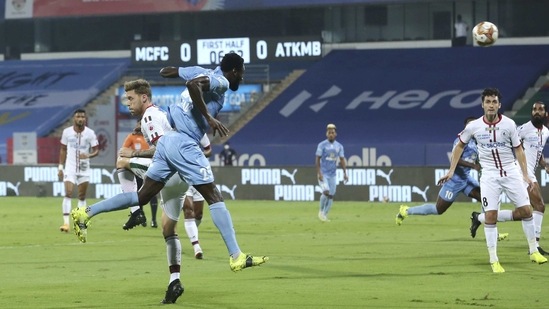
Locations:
360 259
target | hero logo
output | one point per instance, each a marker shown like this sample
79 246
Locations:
393 99
152 53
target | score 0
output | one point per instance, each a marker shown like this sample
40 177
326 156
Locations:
185 52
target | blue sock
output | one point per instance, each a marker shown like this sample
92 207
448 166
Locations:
328 205
222 220
117 202
423 210
323 200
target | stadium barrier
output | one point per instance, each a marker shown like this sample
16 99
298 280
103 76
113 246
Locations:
288 183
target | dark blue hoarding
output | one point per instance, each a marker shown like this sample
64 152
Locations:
407 104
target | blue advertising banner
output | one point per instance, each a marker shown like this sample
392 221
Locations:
36 96
163 96
401 100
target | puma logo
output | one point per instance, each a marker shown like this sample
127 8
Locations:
387 176
108 174
287 174
226 189
422 193
15 187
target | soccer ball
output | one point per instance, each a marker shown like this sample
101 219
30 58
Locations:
485 33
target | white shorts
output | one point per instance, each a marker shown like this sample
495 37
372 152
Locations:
514 186
76 178
192 192
139 166
171 197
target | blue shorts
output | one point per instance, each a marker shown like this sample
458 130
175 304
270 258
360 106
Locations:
450 190
328 184
178 153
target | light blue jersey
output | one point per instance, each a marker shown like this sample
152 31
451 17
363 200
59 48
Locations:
329 154
179 151
461 181
188 120
470 154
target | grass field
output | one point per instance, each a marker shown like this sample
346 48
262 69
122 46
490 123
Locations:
360 259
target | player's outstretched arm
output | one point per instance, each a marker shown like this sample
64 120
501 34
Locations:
169 72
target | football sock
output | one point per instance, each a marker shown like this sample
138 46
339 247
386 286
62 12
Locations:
82 203
127 180
223 221
323 202
66 208
173 253
538 219
328 206
117 202
503 215
528 228
191 229
423 210
154 207
491 234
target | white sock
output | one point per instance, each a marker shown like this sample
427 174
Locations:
174 276
134 209
66 207
491 233
191 229
529 232
127 180
505 215
538 219
82 203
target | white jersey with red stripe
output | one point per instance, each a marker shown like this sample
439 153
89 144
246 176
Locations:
495 143
154 124
78 143
533 141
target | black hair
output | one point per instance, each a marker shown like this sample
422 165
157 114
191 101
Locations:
232 61
470 118
488 92
538 102
78 111
140 86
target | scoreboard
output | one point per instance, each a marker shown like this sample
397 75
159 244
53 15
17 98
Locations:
206 52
